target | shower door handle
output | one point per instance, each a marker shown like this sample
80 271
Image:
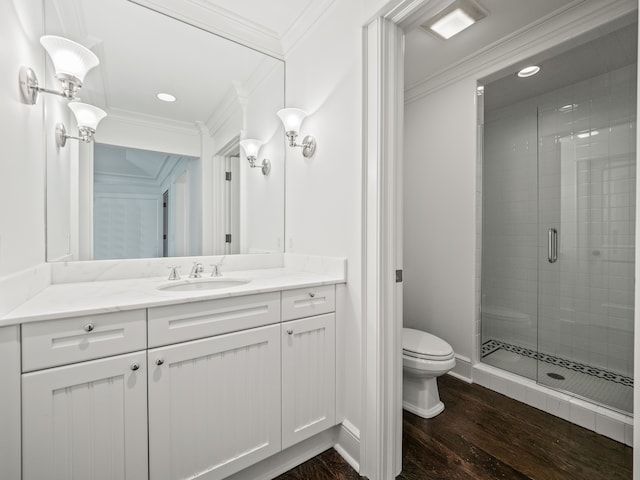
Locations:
552 248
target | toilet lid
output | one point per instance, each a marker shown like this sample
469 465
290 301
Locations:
417 343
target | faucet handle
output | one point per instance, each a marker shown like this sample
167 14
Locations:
174 272
217 270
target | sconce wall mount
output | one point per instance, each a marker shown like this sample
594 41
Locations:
292 119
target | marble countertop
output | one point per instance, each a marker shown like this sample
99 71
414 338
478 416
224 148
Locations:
88 298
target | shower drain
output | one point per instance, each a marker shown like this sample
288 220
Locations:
555 376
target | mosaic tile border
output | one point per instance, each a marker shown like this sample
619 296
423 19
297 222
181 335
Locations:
490 346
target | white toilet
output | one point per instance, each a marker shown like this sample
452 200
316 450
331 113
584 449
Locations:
424 358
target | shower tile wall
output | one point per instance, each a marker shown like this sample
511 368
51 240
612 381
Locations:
586 191
509 231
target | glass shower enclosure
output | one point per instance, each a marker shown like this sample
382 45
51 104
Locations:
558 220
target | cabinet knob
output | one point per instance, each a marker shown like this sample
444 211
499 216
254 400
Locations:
135 366
160 361
89 327
311 294
290 331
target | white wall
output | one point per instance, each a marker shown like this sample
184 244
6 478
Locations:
440 215
262 227
324 193
22 240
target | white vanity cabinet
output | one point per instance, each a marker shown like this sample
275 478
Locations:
195 390
308 363
214 404
85 418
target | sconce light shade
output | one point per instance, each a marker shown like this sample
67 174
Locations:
292 119
71 61
251 149
87 115
69 58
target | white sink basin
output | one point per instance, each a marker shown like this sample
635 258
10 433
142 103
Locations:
202 284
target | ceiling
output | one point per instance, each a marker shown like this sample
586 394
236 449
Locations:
606 49
426 54
143 53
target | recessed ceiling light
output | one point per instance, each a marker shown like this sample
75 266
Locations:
455 18
587 134
568 108
529 71
166 97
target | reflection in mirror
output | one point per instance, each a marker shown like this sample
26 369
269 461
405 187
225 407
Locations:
156 182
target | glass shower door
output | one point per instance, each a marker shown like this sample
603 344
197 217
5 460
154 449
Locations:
586 238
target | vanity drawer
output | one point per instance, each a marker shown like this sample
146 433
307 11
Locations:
306 302
190 321
71 340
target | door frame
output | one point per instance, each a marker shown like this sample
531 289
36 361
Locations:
383 114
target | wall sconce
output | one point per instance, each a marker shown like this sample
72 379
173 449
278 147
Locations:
251 148
292 119
71 61
87 117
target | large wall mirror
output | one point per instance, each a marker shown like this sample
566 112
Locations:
162 178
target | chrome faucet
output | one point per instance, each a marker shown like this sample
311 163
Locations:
217 270
174 273
196 270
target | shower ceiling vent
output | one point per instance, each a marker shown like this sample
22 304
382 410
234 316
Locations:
450 21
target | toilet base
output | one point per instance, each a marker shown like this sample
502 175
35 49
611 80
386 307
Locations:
421 412
420 395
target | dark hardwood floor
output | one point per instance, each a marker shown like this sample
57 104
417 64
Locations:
484 435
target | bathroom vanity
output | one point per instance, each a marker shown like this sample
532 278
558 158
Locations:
135 381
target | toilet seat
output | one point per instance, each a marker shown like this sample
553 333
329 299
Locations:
423 345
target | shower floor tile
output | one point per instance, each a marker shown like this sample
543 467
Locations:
606 388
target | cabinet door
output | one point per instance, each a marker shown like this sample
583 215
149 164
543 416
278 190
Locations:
214 404
86 420
308 377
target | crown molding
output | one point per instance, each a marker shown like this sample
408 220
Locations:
237 96
142 120
206 16
303 23
560 26
226 108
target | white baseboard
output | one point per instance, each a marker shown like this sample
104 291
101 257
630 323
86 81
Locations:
348 445
291 457
463 369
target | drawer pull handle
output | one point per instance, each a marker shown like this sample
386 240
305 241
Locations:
89 327
160 361
135 366
290 331
311 294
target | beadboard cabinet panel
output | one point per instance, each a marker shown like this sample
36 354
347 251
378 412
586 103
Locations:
214 404
308 377
86 420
